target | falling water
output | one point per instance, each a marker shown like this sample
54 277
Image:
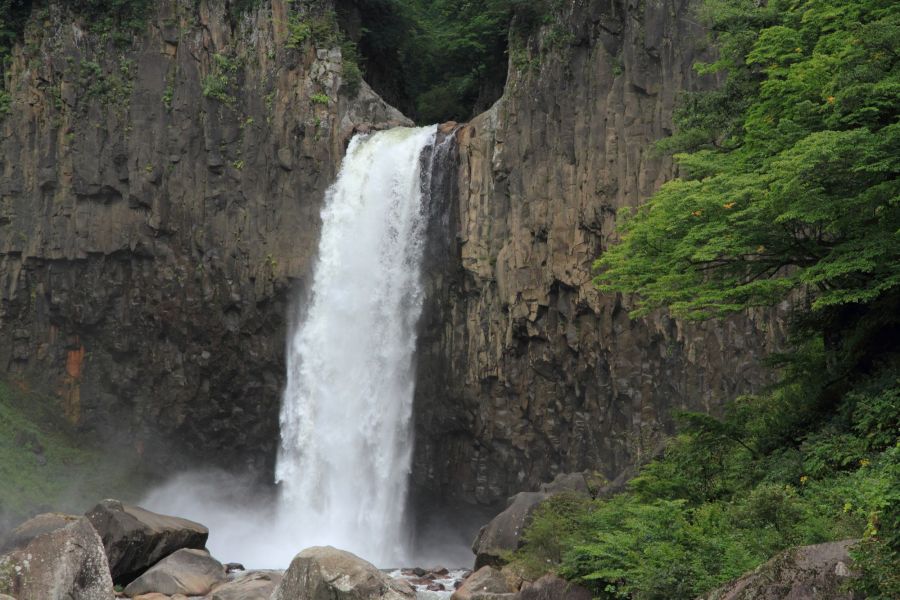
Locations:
345 422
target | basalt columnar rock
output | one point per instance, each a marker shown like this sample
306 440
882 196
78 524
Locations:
67 563
525 370
326 573
160 192
135 539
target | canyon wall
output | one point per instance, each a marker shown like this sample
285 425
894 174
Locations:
525 370
159 208
159 214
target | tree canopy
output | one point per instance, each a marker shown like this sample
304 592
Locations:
789 174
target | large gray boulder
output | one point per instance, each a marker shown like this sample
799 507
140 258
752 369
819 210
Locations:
32 528
550 587
136 539
250 585
67 563
820 571
326 573
504 533
484 584
188 572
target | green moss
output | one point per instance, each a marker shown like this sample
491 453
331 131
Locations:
45 465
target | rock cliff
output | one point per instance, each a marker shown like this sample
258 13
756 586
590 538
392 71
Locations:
159 202
525 370
159 208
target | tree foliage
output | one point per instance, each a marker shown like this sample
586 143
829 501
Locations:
796 190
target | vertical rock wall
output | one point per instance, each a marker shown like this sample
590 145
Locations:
525 370
159 201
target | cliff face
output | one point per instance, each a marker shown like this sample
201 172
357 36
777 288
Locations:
159 201
525 369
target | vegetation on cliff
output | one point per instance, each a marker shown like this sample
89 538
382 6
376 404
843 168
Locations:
45 465
789 194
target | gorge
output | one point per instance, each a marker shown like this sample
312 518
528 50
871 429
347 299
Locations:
160 205
181 343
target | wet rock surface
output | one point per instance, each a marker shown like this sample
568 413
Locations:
135 539
62 564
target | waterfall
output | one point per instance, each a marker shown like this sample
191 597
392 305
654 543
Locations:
346 442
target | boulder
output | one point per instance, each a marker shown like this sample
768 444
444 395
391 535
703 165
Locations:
188 572
484 584
252 585
818 571
326 573
136 539
504 533
67 563
33 527
550 587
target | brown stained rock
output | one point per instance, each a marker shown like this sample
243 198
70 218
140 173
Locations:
252 585
820 571
63 564
483 582
135 538
152 596
326 573
188 572
33 527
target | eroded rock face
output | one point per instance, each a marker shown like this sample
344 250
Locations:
326 573
525 370
67 563
136 539
159 201
820 571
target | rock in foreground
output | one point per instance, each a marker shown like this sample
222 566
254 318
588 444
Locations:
550 587
818 571
485 583
22 535
253 585
136 539
67 563
188 572
326 573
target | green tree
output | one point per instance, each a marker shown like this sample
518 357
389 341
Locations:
798 189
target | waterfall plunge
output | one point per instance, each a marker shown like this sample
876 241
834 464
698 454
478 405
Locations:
346 441
345 421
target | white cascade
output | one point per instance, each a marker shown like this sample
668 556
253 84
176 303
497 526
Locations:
346 440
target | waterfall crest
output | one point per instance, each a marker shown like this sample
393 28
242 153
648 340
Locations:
346 442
